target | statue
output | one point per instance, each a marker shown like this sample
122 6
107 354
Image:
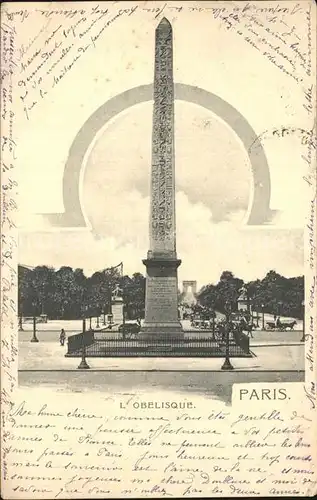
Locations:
243 293
117 305
117 292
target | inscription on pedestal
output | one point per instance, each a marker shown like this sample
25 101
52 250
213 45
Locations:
117 312
162 299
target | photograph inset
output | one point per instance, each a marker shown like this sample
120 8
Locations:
71 321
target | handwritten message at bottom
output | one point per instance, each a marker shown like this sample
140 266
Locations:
58 446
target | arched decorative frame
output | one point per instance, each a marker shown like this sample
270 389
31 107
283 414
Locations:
258 212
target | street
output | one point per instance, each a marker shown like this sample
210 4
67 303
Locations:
49 332
278 356
215 384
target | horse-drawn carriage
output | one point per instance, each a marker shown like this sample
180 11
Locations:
281 325
129 329
237 322
236 328
201 324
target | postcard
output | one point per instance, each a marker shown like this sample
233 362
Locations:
158 249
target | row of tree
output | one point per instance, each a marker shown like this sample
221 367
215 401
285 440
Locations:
67 293
273 294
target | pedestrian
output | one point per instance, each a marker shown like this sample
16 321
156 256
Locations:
62 337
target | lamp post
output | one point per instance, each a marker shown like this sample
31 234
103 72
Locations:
303 336
262 308
250 311
110 300
213 324
110 315
110 320
123 314
34 338
227 364
98 314
104 317
83 365
20 324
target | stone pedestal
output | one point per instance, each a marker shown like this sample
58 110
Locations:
117 310
161 307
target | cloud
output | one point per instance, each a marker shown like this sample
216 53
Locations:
205 248
211 165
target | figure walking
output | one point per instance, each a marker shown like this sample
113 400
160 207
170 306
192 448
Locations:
62 337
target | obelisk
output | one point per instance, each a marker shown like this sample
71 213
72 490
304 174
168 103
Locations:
161 298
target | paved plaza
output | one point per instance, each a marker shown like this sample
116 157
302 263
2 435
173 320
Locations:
279 357
274 351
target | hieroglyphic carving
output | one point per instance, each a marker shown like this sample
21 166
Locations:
162 224
161 298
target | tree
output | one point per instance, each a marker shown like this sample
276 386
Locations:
275 293
227 291
43 283
207 297
134 295
280 295
24 292
64 293
68 293
219 296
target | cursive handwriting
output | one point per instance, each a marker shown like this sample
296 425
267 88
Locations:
66 35
80 452
8 237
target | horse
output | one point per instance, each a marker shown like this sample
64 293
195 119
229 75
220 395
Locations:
283 326
271 325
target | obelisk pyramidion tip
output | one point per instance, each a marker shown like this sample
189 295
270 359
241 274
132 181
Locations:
164 23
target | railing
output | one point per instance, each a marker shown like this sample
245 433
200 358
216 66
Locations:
76 342
116 346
